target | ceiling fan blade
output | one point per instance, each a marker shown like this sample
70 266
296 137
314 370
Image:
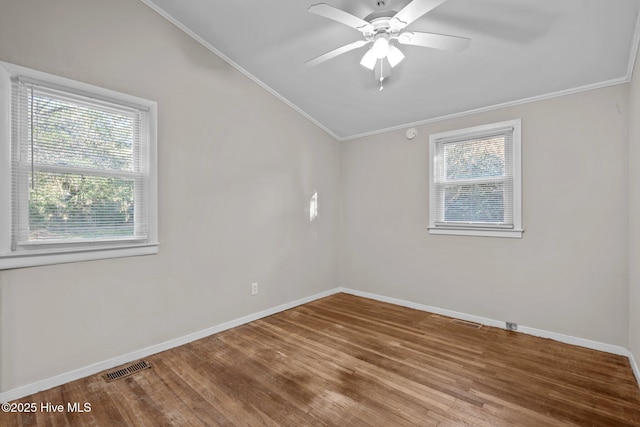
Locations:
335 52
415 10
341 16
435 41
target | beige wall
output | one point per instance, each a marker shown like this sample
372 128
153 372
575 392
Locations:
634 215
236 170
568 274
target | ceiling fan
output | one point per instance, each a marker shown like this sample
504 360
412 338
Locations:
382 29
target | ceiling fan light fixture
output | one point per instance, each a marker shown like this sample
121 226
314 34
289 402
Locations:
369 60
380 47
395 56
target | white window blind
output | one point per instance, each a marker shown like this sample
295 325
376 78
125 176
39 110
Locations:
80 168
475 181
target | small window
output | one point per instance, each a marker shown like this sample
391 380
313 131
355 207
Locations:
475 184
82 172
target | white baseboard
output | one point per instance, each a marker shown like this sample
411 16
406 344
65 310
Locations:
28 389
581 342
86 371
423 307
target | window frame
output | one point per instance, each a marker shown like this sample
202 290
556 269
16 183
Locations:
35 254
478 229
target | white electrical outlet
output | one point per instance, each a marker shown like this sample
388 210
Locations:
254 288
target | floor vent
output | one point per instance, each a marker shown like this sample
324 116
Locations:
130 369
473 325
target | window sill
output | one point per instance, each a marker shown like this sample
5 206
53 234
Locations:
37 258
510 233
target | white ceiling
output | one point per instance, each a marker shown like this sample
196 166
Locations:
520 50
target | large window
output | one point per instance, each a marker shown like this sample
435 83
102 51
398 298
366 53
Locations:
474 184
82 180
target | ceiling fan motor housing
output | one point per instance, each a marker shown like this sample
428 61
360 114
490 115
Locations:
382 21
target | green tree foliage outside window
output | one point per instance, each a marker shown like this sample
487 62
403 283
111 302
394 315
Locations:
79 206
78 187
469 161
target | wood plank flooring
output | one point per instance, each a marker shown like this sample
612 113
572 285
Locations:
350 361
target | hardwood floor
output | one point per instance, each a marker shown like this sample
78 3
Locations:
347 361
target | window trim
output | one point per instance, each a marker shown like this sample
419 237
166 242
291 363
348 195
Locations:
46 254
479 230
